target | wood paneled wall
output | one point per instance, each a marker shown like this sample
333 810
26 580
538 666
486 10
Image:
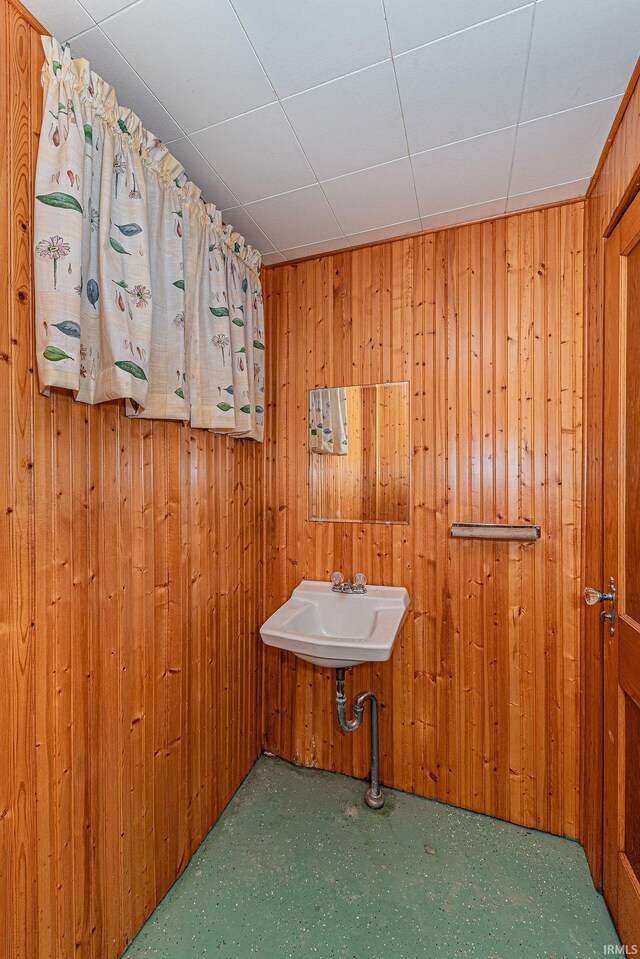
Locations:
480 702
129 614
618 176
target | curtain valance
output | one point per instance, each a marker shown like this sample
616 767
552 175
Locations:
142 293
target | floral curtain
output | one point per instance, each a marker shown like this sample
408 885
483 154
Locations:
328 421
142 293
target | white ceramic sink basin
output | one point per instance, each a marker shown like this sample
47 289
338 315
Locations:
338 629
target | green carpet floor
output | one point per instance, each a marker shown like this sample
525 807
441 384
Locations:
298 867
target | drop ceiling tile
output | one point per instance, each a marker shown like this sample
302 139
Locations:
295 219
561 148
270 259
62 19
311 249
371 198
462 174
478 211
100 9
551 194
580 52
195 57
321 40
351 123
415 22
257 154
200 173
130 90
244 223
467 84
385 232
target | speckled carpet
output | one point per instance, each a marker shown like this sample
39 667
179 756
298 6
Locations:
299 867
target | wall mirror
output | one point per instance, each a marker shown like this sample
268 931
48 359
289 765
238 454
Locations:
359 454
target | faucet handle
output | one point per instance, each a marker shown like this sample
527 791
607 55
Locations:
360 580
337 579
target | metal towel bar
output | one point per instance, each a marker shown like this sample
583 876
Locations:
495 531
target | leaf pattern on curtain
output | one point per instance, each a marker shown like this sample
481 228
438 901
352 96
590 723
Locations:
142 293
224 298
328 432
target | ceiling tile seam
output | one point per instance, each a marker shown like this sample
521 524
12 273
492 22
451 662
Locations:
452 143
275 92
257 226
128 6
92 18
253 50
546 116
343 76
472 26
304 246
236 116
309 186
522 92
375 166
213 169
579 106
364 169
404 125
386 226
368 66
143 82
77 36
343 176
274 196
282 100
383 226
469 206
333 213
293 131
551 186
97 23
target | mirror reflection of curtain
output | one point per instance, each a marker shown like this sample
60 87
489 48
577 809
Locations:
328 421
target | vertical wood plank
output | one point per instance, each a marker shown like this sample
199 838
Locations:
18 897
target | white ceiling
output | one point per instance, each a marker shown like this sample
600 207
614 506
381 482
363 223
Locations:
316 124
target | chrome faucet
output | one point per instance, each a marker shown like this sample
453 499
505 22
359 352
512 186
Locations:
359 584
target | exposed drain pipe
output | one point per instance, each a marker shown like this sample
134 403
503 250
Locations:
374 796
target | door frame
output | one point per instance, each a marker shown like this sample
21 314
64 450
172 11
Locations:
618 877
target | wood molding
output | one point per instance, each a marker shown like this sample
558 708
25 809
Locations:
617 120
626 200
29 17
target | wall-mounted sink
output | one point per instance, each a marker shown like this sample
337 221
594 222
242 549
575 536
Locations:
334 629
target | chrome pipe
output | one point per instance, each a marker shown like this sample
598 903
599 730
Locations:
374 796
